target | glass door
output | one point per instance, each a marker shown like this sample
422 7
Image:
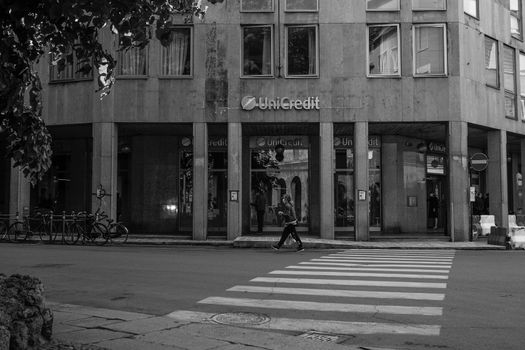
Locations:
279 165
186 191
217 192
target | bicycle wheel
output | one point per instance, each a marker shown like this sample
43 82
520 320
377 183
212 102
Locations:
17 231
4 231
46 232
118 233
71 235
99 233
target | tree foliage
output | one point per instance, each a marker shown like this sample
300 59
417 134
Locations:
31 29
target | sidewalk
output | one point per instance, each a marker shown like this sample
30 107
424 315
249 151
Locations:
315 243
121 330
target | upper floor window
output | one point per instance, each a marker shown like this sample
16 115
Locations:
257 51
423 5
515 18
301 5
382 5
430 49
176 57
132 61
491 62
301 51
509 81
471 7
383 57
69 69
522 85
256 5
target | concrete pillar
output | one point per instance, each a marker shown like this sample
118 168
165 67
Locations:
20 190
458 164
326 182
200 181
361 181
105 153
497 176
234 227
513 186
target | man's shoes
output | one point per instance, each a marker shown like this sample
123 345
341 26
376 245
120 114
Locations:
275 247
300 249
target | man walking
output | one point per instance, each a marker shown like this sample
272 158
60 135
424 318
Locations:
290 221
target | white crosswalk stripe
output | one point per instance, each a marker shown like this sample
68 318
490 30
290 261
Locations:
351 287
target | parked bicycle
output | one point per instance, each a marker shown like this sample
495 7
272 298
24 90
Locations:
39 225
5 220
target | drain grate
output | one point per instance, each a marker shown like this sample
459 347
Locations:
240 318
324 337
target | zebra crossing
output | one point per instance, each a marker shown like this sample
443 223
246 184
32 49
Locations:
350 292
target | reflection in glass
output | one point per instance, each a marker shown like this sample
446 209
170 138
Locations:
428 4
186 191
217 191
491 62
344 188
256 5
374 187
471 7
383 50
382 5
301 50
270 179
301 5
257 50
429 49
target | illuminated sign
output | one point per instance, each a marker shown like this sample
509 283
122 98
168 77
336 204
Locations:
249 103
289 142
348 141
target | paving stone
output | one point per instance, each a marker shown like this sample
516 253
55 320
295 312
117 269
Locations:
90 336
135 344
59 328
144 325
91 322
61 316
181 338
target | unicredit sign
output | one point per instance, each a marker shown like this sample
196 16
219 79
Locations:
250 102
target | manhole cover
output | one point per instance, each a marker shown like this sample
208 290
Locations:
240 318
324 337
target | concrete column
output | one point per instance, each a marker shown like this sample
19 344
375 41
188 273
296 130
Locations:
513 186
326 183
458 164
200 181
234 227
20 189
105 153
521 189
497 177
361 181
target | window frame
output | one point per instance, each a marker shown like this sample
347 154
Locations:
119 75
414 8
498 78
520 21
443 26
53 69
508 93
379 10
470 14
258 11
272 54
302 10
286 28
182 76
368 74
522 86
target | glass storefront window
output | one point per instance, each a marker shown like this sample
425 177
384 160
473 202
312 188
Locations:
344 188
217 191
374 182
186 191
275 171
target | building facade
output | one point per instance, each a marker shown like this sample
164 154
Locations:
367 112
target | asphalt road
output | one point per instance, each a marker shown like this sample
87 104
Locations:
483 307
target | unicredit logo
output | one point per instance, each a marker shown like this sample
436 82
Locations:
250 102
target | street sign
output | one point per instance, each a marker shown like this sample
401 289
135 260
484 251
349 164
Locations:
479 161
